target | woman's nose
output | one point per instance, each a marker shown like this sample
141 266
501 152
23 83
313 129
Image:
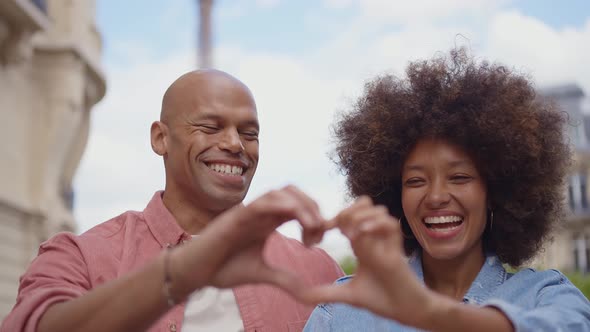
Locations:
438 195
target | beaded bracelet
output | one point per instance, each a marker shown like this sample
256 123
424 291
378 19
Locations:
167 289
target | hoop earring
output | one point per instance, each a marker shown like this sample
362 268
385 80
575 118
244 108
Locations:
402 229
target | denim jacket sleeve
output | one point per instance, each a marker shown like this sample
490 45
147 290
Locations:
558 306
320 319
532 300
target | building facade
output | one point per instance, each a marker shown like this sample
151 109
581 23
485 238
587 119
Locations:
50 78
570 250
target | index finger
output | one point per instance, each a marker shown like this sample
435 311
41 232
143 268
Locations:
331 223
308 215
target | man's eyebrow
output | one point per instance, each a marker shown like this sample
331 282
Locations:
215 117
251 123
207 116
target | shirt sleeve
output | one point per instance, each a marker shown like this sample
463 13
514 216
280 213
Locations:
560 307
57 274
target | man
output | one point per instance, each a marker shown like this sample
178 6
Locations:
119 276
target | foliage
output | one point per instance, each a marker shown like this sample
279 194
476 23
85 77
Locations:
348 265
582 281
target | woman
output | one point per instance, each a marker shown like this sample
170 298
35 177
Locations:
472 165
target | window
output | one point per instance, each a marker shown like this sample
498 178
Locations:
577 195
41 4
583 194
582 253
570 196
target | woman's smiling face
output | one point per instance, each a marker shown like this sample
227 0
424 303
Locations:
444 199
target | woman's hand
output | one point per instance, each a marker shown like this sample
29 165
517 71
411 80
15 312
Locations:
384 282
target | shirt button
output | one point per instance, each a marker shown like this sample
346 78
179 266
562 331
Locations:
172 327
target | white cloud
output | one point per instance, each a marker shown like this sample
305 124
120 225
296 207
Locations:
240 8
407 12
267 3
552 56
339 4
233 9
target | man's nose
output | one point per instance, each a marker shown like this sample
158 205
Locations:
231 141
438 195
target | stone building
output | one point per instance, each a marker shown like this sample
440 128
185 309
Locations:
50 78
570 250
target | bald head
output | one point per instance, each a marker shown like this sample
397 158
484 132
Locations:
197 87
208 122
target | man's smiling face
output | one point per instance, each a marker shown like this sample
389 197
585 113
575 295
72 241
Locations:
212 142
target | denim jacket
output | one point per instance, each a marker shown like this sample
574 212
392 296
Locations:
532 300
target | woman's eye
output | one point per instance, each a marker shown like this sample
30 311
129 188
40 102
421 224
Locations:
413 182
460 178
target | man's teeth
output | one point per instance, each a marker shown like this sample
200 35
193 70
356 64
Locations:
226 169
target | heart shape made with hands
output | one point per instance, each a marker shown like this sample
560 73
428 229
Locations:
375 239
247 230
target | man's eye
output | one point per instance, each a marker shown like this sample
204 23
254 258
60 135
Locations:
251 135
208 128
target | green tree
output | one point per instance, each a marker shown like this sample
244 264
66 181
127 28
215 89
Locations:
582 281
348 264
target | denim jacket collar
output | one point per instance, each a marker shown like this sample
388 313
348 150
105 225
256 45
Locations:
491 275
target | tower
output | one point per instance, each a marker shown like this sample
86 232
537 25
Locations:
205 57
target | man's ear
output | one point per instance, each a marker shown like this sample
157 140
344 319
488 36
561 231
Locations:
159 137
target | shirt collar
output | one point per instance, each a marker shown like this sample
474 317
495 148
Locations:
491 275
162 223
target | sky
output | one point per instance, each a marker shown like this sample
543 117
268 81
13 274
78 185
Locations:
305 62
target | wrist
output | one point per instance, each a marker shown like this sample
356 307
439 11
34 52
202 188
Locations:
438 309
177 287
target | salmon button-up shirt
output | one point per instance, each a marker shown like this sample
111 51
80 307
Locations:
68 266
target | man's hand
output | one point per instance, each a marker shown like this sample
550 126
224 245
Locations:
227 253
230 248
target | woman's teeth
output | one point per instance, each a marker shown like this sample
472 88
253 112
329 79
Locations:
444 223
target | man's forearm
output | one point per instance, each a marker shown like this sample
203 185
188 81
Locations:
131 303
136 301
